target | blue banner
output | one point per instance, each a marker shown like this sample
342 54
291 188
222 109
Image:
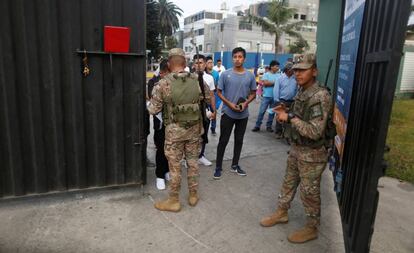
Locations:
351 31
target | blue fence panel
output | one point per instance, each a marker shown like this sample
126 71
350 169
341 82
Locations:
251 59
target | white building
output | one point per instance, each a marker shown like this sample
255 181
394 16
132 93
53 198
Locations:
194 26
306 10
234 32
222 30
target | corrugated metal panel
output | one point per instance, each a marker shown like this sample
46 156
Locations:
407 79
58 129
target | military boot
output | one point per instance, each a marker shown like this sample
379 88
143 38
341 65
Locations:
280 216
307 233
193 198
172 204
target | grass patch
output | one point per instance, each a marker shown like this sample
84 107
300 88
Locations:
401 141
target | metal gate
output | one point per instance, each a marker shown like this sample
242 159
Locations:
60 130
381 44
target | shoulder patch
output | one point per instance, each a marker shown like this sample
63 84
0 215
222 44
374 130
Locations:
316 111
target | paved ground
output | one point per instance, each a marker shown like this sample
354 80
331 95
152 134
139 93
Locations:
225 220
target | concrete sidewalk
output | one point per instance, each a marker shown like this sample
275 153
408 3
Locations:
225 220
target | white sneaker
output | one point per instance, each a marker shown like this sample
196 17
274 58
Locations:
203 160
167 176
160 184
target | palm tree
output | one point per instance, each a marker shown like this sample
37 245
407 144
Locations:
277 22
168 15
153 31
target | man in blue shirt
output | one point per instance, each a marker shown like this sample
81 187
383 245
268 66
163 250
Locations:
284 91
236 88
269 79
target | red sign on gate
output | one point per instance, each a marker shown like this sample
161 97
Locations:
116 39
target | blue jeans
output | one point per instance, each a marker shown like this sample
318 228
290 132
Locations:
267 102
218 103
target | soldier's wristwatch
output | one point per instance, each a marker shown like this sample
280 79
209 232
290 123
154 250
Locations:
290 116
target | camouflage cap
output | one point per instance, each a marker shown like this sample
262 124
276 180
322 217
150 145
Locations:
176 52
305 62
288 65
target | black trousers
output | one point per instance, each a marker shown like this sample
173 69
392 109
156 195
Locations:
204 138
226 127
161 161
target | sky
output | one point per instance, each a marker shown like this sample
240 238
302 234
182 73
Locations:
191 7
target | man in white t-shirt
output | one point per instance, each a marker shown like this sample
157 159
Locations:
200 66
219 68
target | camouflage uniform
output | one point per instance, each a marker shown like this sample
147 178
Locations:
308 155
180 141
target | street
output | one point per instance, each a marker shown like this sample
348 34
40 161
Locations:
225 220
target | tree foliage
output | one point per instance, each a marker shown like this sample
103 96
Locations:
171 42
277 22
153 31
299 46
162 21
168 17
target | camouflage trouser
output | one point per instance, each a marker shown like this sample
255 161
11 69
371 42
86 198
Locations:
308 176
175 152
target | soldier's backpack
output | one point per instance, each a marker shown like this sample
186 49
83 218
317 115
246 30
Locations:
182 105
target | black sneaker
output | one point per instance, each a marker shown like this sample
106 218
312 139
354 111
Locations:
238 170
269 129
217 173
278 135
256 129
213 132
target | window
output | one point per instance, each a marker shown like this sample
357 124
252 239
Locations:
212 29
210 15
199 16
221 27
244 25
187 21
267 46
213 15
296 16
208 48
200 48
200 31
244 44
303 17
287 42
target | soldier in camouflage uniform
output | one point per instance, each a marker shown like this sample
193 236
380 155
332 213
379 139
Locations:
307 124
178 96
